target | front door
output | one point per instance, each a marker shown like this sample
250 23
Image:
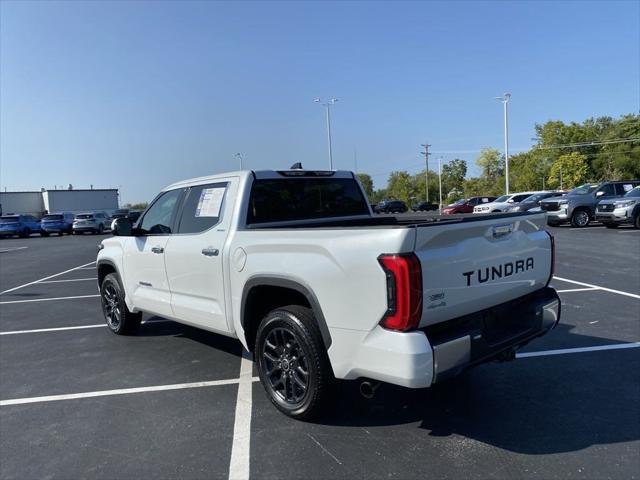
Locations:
144 256
195 256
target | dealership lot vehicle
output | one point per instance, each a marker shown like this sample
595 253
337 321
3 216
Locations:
420 324
158 404
503 203
532 202
466 205
424 207
19 225
625 210
579 205
56 223
97 222
391 206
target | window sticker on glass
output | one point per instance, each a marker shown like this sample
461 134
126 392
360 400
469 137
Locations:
210 202
627 187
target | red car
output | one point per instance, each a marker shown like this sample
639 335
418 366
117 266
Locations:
466 205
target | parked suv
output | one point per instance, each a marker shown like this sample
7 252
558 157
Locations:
466 205
391 206
503 203
424 207
579 205
623 210
96 222
20 225
533 201
56 223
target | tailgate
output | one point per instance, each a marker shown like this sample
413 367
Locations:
476 264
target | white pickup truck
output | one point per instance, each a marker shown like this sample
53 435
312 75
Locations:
294 264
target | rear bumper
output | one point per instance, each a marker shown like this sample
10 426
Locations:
420 358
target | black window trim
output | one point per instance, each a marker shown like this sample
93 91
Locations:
183 202
173 215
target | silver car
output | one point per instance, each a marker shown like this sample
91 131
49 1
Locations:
93 222
619 211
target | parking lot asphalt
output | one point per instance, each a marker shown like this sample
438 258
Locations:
79 402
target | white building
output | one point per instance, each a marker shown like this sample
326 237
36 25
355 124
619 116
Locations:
51 201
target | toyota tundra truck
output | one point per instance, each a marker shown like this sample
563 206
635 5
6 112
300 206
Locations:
294 264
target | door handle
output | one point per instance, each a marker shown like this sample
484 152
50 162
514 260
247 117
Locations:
157 250
210 252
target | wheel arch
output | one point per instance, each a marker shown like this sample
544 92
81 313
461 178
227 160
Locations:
263 293
105 267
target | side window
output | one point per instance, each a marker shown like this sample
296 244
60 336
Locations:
160 215
608 190
622 188
202 208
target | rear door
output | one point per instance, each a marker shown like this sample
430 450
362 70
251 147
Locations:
144 256
476 264
195 256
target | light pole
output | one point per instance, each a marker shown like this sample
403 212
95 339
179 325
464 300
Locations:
440 184
505 102
240 157
327 105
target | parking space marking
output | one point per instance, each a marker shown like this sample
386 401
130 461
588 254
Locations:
46 278
617 346
577 290
121 391
48 299
70 280
611 290
57 329
240 460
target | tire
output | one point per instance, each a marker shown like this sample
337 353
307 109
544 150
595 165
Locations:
636 221
44 234
611 225
100 229
118 317
580 219
26 233
288 343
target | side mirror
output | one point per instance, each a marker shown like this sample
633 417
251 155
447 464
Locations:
600 193
122 227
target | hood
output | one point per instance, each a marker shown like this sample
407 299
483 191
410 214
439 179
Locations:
556 199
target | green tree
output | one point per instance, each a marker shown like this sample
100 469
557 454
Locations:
453 175
568 171
529 170
136 206
367 183
491 163
402 186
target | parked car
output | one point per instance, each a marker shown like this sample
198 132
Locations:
56 223
613 213
533 201
503 203
424 207
19 225
134 215
97 222
293 265
120 213
391 206
466 205
579 205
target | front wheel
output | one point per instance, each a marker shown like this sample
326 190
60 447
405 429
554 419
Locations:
292 362
119 319
580 219
636 221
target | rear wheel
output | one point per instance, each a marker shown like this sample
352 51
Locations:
119 319
292 362
580 218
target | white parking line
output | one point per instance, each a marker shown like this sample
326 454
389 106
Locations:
48 299
577 290
57 329
611 290
121 391
617 346
11 249
46 278
239 463
70 280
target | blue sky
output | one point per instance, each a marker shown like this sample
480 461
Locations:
141 94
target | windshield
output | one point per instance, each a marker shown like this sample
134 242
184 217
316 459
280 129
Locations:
583 189
503 198
51 218
9 220
462 201
633 193
84 216
534 198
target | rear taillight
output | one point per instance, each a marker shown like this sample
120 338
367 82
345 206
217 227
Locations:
404 291
553 256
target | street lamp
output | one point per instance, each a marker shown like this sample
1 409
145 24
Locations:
505 102
327 105
240 157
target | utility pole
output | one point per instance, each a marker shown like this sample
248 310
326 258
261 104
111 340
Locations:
426 172
561 188
327 105
440 184
355 159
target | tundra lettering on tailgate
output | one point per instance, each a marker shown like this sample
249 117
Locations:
507 269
